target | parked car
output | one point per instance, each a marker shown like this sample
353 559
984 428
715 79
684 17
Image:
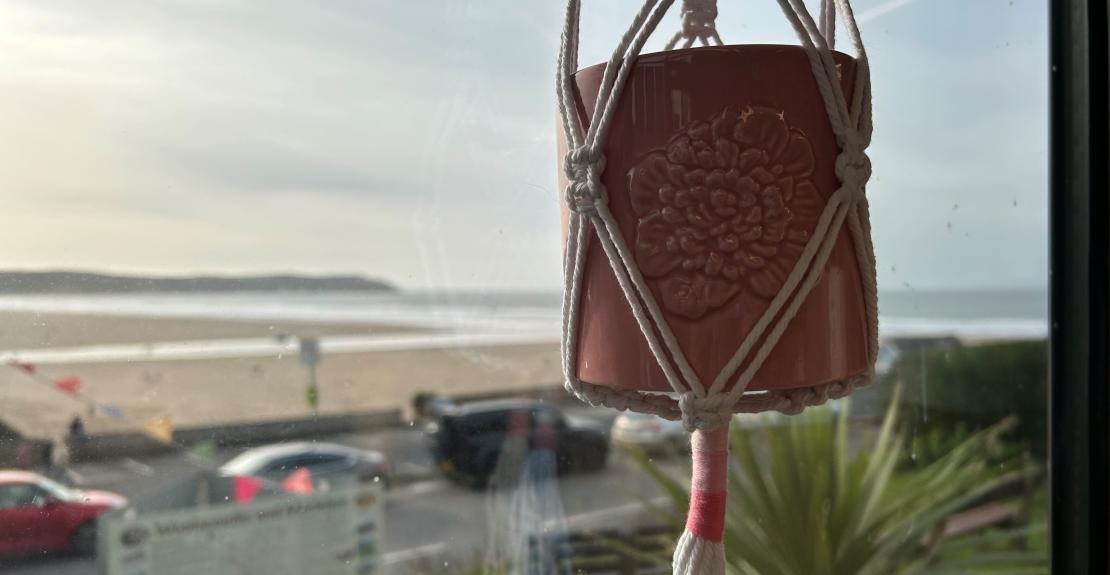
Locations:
328 463
649 432
888 356
467 439
40 515
655 434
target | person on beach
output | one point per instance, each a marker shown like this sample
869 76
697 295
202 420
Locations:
77 434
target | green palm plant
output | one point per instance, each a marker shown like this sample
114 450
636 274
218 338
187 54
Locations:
803 502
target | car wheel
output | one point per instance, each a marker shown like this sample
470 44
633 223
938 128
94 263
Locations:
83 541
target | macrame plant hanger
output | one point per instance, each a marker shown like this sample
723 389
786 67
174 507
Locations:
706 407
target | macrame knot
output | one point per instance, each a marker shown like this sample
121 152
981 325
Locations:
699 19
584 166
704 413
862 380
853 166
799 399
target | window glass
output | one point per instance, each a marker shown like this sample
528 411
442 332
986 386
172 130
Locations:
18 495
284 464
321 461
495 422
51 488
8 496
234 225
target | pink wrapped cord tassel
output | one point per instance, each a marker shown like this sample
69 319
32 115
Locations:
700 550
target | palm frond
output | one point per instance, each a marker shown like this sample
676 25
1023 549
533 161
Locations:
805 500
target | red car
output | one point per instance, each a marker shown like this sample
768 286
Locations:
39 515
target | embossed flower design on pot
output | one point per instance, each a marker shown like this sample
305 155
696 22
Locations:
726 206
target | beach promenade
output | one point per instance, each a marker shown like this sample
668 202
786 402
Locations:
203 373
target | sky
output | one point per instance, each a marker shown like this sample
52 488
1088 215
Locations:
414 141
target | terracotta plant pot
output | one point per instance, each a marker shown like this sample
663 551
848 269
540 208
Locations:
719 161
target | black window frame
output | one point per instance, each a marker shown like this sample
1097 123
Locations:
1079 283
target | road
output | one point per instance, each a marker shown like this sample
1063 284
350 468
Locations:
430 521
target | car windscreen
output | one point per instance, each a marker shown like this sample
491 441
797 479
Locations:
56 490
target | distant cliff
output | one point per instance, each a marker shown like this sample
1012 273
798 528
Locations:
80 282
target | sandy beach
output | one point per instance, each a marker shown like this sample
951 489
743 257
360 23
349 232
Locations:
203 372
200 392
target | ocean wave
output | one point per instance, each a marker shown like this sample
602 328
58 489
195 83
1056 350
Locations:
503 314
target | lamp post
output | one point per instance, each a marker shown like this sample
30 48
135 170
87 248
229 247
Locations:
310 357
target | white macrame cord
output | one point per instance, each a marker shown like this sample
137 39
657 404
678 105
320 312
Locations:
702 406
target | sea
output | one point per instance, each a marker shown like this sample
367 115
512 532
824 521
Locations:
477 318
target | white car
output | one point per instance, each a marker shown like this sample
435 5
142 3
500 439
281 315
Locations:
649 432
653 433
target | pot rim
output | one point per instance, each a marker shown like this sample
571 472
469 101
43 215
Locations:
723 48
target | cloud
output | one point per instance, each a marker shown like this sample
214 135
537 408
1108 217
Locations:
415 140
881 10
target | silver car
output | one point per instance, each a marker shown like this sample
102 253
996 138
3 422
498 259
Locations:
329 464
649 432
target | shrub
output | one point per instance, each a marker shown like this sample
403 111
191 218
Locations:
976 386
807 504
